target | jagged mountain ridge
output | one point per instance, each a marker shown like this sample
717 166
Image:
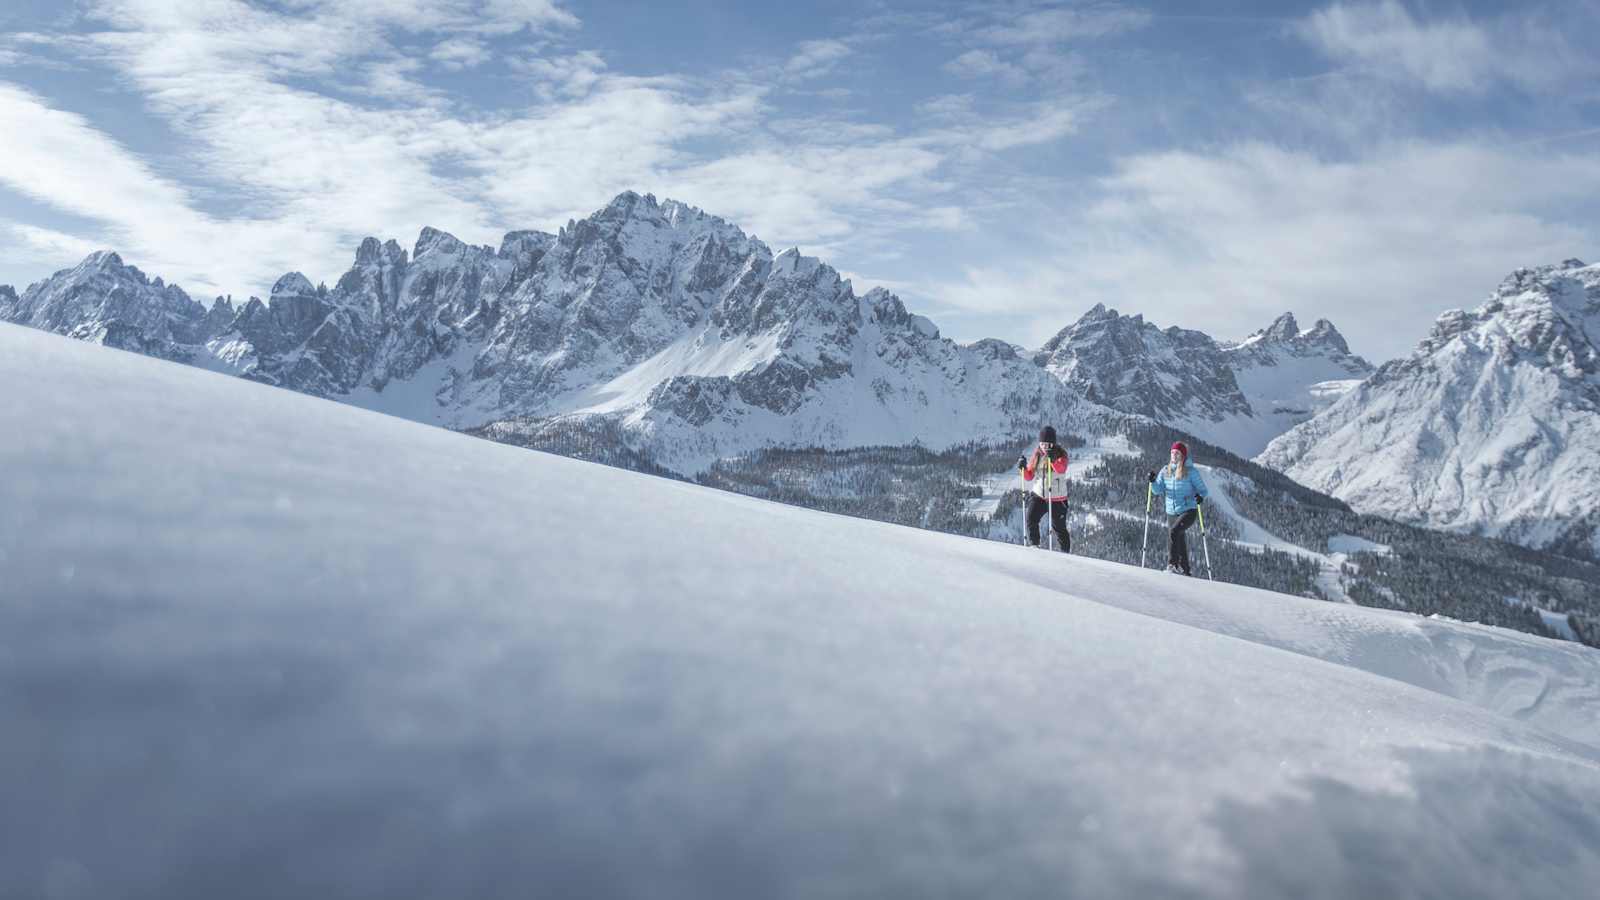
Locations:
693 336
1491 426
1236 395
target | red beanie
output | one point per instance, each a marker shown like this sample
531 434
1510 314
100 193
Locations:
1183 448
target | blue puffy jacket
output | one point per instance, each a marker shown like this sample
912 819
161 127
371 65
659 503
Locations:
1180 492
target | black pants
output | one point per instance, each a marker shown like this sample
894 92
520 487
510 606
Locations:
1058 521
1178 545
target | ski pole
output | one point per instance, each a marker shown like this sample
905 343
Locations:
1149 493
1049 501
1201 508
1022 473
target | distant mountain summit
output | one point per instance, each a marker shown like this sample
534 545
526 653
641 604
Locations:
1236 395
106 301
1491 426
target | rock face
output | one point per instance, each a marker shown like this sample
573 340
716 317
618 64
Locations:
1491 426
672 323
1237 396
106 301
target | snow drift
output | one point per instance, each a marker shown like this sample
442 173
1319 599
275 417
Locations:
261 644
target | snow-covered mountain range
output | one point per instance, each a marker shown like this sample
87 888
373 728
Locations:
1236 395
1491 426
693 336
690 338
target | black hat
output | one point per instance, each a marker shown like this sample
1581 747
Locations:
1047 434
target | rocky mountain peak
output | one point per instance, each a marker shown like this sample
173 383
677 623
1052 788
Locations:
1095 324
1284 335
103 259
1546 312
372 252
1283 328
433 241
1324 334
1503 397
517 243
627 203
882 305
792 263
293 284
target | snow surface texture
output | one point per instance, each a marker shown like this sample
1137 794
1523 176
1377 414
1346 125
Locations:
1491 427
260 644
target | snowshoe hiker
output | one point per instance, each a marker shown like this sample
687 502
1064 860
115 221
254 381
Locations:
1184 491
1046 473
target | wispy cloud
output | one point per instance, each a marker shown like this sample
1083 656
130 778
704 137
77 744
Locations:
1051 26
323 130
1227 240
570 75
46 245
1032 44
816 58
1447 54
460 53
987 63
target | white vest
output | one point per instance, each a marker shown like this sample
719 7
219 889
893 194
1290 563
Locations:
1047 477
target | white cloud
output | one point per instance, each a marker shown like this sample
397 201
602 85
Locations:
460 53
1031 46
59 158
1047 122
47 246
1050 26
815 58
1447 54
986 63
1226 241
572 75
475 16
310 132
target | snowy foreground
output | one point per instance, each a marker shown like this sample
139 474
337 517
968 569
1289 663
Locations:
254 644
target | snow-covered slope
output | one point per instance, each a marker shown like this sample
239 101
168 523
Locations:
321 652
1238 396
1492 425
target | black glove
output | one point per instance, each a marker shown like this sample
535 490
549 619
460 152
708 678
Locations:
1152 476
1022 462
1199 500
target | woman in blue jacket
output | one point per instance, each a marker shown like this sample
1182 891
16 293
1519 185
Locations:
1184 491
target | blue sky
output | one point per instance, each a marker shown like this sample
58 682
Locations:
1003 167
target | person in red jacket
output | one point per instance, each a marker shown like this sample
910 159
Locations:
1046 473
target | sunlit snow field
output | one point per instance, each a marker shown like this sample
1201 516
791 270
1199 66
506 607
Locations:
255 644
